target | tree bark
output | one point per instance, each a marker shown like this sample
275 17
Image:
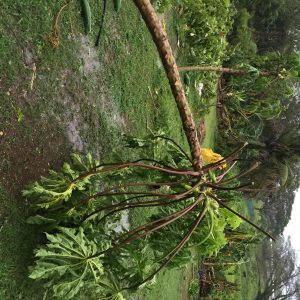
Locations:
165 51
213 264
219 70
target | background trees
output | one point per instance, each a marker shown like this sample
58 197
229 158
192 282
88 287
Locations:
283 274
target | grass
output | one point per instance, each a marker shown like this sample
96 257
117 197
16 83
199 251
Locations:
211 128
17 240
82 99
168 287
247 274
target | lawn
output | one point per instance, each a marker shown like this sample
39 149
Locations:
74 98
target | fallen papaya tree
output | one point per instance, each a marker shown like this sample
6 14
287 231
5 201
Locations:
80 206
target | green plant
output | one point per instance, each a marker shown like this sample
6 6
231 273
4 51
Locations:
67 262
59 186
193 288
241 38
111 188
207 23
89 197
163 5
117 5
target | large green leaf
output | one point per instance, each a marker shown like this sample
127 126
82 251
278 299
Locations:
68 261
58 187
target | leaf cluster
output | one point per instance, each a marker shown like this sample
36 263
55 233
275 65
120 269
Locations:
86 253
58 187
66 263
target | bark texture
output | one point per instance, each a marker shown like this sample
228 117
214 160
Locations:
165 51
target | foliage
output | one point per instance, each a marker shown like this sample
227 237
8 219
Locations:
207 23
59 186
270 12
163 5
193 288
231 219
67 262
95 255
285 165
275 23
241 37
254 98
277 209
282 280
208 239
202 35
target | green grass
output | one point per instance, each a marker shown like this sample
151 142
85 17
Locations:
249 273
246 274
127 92
210 128
168 286
17 241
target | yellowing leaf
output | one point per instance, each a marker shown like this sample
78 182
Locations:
211 157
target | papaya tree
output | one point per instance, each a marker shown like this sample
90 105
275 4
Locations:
257 88
278 150
79 206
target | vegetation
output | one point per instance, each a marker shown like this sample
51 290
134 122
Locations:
282 281
249 70
72 198
107 106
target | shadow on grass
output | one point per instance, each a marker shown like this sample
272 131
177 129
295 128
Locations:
17 241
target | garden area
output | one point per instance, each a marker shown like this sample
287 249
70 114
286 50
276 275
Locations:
149 149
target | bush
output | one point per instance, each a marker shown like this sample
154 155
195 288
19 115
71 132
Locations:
207 24
242 36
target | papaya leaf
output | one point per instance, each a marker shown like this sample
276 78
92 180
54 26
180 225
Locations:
68 261
58 187
40 220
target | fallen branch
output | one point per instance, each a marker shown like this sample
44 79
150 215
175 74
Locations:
231 71
54 39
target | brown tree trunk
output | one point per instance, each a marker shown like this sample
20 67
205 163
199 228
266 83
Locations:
214 264
218 70
160 39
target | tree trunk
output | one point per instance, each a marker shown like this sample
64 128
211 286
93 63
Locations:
265 295
221 264
219 70
160 39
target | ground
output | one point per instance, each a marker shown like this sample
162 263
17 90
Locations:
74 98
